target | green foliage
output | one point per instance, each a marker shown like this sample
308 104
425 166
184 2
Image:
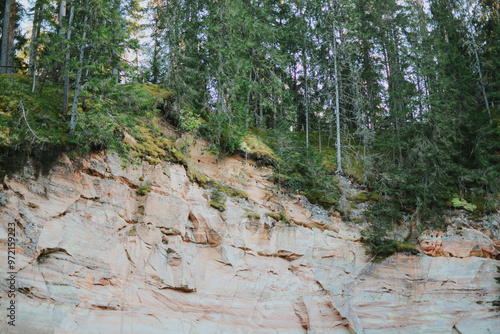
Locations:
217 200
228 191
257 150
225 137
189 122
304 172
383 247
143 190
364 197
110 110
463 204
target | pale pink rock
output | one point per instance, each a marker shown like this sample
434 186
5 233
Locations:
93 256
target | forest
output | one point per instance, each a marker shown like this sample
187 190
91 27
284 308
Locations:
401 96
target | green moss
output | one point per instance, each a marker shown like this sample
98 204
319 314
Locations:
231 192
278 217
273 215
357 220
360 198
195 176
143 190
217 200
257 150
253 215
240 194
154 147
219 206
177 155
325 199
107 114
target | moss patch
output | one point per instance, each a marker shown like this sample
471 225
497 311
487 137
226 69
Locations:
279 217
143 190
325 199
152 146
364 197
253 215
231 192
219 206
195 176
257 150
357 220
217 200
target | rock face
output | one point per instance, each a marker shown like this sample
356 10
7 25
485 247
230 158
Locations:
93 256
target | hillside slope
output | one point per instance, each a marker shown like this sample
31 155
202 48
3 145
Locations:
107 249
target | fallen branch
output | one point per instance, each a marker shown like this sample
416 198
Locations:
21 107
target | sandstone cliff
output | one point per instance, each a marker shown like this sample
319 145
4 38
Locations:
93 256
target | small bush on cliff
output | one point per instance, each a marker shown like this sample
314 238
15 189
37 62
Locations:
383 247
143 190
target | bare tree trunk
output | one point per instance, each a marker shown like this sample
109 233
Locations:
307 100
34 40
66 67
62 15
12 33
78 79
319 133
5 51
116 57
339 156
156 65
481 80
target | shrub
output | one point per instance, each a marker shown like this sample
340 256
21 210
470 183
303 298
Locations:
143 190
383 247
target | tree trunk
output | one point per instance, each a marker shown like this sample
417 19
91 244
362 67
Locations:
481 80
304 64
339 156
62 15
6 49
66 67
34 40
78 79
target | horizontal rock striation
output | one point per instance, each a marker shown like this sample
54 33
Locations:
94 256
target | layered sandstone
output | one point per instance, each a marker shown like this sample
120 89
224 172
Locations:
95 257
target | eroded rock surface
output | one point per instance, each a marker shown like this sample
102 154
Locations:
95 257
